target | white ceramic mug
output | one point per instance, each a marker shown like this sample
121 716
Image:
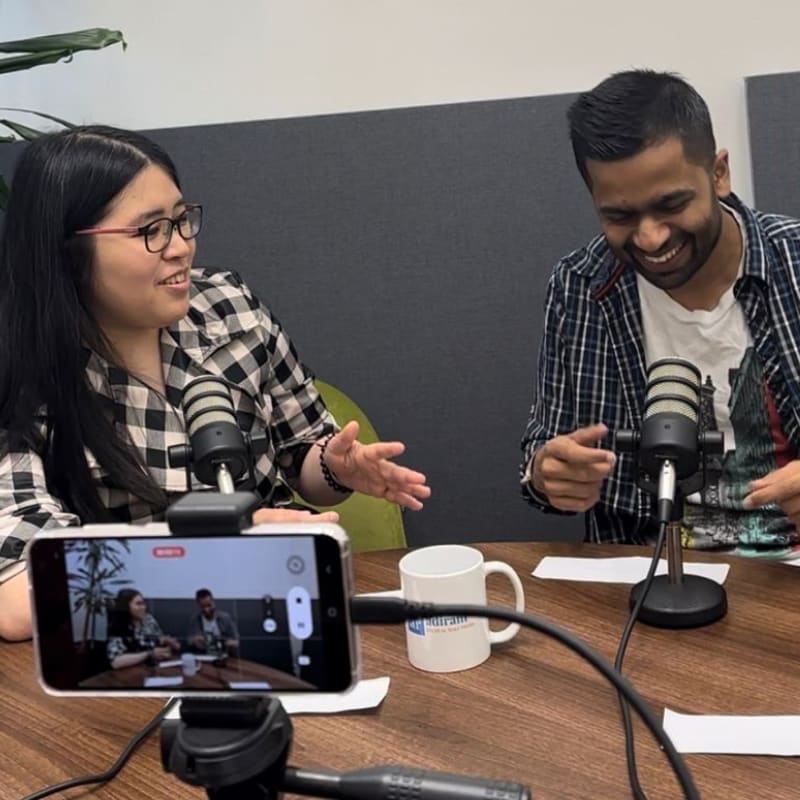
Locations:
189 664
452 573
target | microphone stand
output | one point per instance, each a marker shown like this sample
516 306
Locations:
677 600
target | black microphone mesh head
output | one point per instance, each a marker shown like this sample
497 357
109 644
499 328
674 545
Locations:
673 386
207 400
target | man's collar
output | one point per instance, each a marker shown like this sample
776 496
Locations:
605 269
755 256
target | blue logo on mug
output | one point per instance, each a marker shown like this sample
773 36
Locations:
418 625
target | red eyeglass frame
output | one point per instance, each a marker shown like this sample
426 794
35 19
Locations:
140 230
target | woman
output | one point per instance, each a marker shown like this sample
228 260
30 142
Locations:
134 636
103 320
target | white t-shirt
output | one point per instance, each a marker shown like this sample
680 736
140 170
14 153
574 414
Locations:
735 401
714 341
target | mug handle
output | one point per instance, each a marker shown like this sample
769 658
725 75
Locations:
511 630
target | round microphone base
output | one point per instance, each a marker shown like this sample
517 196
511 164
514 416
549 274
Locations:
694 602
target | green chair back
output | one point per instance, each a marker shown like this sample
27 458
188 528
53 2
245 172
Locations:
372 523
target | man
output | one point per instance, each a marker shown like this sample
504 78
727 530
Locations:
682 269
212 630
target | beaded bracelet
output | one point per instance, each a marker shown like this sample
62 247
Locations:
330 478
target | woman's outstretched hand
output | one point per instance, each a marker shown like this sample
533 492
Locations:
367 468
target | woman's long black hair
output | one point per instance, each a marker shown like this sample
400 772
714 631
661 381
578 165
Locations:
64 182
120 622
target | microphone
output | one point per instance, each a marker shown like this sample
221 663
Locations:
217 449
671 454
220 453
670 445
388 782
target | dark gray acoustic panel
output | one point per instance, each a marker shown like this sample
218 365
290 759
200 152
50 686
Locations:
407 253
773 112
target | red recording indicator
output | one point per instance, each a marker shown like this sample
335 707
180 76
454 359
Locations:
169 552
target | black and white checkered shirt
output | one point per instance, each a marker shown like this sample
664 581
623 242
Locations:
138 639
226 333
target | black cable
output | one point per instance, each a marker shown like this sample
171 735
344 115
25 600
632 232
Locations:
630 752
389 610
109 774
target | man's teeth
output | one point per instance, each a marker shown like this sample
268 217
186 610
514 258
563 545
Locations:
666 257
175 279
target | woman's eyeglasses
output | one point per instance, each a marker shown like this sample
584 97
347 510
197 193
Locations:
158 233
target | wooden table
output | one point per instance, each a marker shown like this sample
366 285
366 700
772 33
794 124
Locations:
533 713
210 675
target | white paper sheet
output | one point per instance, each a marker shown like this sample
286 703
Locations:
252 686
623 569
155 682
177 662
365 694
742 735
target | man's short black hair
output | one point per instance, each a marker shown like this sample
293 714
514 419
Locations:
630 111
201 594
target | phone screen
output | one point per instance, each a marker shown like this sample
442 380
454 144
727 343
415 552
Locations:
178 615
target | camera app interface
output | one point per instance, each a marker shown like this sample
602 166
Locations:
213 614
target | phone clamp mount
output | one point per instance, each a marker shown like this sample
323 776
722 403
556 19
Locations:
237 748
212 513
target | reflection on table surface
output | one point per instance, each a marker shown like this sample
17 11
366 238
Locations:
211 674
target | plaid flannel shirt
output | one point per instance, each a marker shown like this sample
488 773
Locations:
140 638
592 364
226 333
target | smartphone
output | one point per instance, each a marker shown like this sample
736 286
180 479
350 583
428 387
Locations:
136 610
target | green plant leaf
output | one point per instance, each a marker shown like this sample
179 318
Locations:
86 39
19 63
49 49
23 131
40 114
